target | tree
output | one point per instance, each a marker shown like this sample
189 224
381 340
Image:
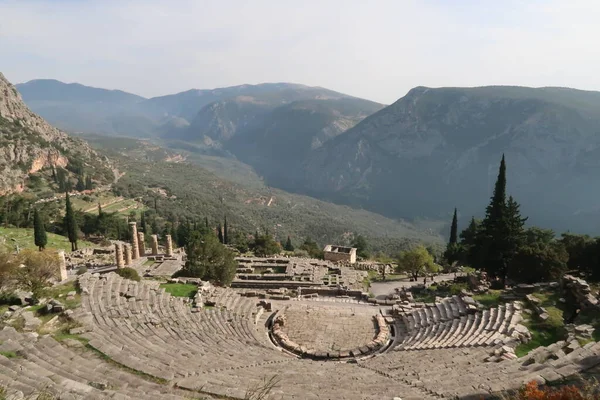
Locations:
501 231
240 242
143 224
288 245
468 241
39 268
80 186
220 233
540 258
39 231
70 223
454 229
312 248
265 245
208 259
225 232
453 249
362 247
416 262
89 185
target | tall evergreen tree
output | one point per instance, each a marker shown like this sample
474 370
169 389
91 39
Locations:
39 231
220 233
70 223
288 245
80 186
501 232
89 185
143 224
454 229
206 221
225 232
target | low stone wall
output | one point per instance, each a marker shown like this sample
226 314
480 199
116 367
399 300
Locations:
580 290
334 292
380 340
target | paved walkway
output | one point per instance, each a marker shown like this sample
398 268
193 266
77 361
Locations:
382 289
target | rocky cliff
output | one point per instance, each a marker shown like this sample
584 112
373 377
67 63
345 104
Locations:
29 144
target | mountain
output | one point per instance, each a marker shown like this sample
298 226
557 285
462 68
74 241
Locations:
436 149
207 118
277 144
29 145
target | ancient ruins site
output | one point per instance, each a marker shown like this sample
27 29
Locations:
308 327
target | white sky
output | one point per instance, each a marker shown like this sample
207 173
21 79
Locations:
372 49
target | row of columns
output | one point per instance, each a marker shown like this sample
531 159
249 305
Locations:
125 254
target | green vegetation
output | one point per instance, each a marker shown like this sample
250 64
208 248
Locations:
128 273
416 262
180 289
501 246
39 231
70 224
490 299
208 259
9 354
22 237
544 333
175 193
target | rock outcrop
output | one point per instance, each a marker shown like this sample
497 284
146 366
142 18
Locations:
29 144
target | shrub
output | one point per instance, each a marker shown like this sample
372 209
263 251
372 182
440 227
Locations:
9 299
82 270
129 273
532 391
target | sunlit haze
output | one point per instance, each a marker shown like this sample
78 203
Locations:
377 50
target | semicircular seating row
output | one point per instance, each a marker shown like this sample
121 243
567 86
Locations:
448 324
41 364
218 351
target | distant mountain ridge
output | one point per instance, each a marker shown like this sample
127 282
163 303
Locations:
78 108
436 149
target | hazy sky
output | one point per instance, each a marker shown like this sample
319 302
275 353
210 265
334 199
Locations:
372 49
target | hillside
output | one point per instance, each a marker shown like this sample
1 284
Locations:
30 146
186 190
278 144
205 117
436 149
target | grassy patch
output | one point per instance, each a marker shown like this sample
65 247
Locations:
180 289
490 299
9 354
23 237
64 334
148 263
544 333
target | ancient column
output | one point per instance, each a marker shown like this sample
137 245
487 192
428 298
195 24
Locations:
169 246
154 245
135 250
127 254
62 266
141 244
119 255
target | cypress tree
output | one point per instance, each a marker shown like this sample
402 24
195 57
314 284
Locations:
39 231
70 224
501 232
99 209
220 233
454 229
206 221
143 225
80 186
288 245
225 232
